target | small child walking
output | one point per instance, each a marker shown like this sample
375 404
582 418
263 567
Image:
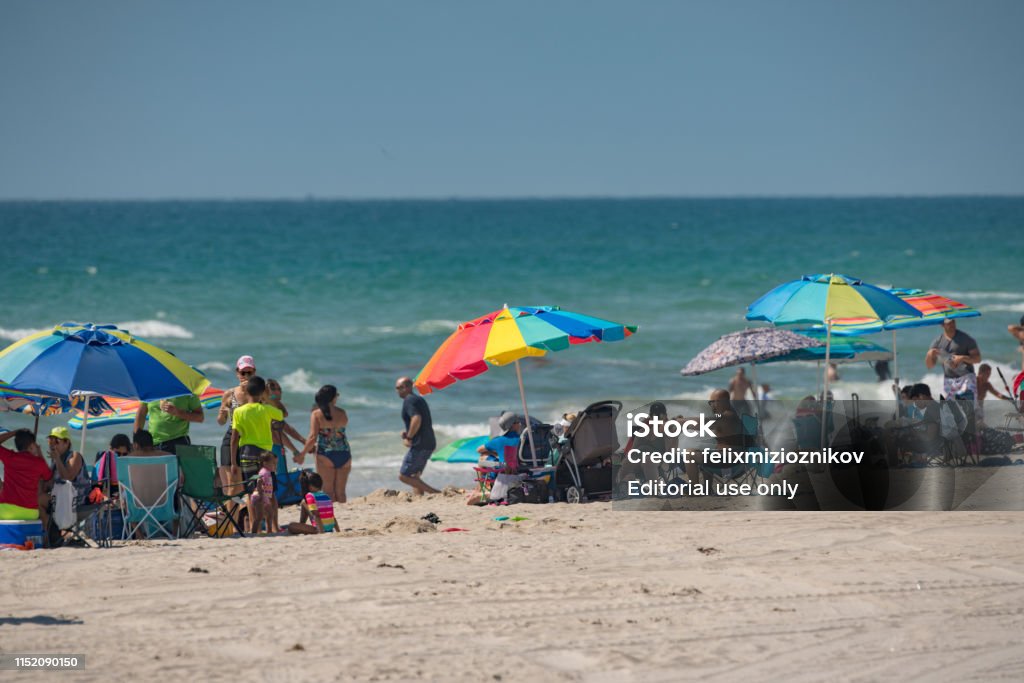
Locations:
319 508
262 508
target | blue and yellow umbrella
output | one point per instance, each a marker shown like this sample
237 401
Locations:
75 358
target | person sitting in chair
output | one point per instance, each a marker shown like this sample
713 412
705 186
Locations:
506 446
24 470
727 428
917 437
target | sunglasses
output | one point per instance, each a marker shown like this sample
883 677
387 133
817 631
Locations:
246 373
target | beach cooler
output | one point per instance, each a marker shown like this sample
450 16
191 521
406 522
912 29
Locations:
21 534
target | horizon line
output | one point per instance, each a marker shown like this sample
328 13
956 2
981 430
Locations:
497 198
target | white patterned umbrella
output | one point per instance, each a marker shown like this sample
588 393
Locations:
754 345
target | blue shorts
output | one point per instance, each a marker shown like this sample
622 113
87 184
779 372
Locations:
337 458
415 461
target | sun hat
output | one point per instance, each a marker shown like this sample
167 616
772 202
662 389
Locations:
507 419
60 433
245 363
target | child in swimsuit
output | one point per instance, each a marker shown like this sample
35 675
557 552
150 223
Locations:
319 508
263 497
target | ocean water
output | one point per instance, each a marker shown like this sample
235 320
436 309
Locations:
356 293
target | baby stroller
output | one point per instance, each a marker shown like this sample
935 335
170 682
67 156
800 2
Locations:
584 467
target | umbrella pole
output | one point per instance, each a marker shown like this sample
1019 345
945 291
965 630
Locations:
85 426
526 414
824 394
35 432
895 375
895 363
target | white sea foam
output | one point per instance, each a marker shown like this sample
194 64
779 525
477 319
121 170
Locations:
147 329
422 328
461 431
1010 308
366 401
15 335
214 365
967 296
701 395
301 381
436 326
156 329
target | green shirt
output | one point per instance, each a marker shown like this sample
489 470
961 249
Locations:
252 422
164 426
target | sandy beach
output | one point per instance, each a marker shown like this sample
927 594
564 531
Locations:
573 593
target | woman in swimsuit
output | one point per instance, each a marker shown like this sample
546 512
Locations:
327 437
232 398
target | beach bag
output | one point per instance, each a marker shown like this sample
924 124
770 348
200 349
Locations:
64 504
529 491
502 484
995 442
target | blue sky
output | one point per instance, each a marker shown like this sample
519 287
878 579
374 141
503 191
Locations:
474 99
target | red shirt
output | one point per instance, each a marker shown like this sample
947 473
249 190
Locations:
22 473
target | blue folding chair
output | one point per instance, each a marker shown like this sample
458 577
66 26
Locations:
149 486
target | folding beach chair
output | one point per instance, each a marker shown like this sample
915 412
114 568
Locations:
200 492
79 531
148 491
69 518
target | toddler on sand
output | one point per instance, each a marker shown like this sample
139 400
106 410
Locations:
263 497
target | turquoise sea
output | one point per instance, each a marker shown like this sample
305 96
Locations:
356 293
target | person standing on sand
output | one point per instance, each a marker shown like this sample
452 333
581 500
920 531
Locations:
327 424
418 437
245 368
738 388
169 420
957 352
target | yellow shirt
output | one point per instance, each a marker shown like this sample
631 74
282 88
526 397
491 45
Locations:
252 422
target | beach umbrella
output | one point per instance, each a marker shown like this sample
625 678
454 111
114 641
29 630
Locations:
461 450
756 345
31 404
934 308
123 410
76 359
822 299
844 349
507 335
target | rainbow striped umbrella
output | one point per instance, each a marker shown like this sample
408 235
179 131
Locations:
507 335
123 410
934 308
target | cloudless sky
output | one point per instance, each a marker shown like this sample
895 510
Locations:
186 99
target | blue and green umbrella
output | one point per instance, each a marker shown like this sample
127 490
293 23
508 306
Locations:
824 299
75 358
83 359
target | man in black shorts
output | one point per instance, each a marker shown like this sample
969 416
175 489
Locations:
418 437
